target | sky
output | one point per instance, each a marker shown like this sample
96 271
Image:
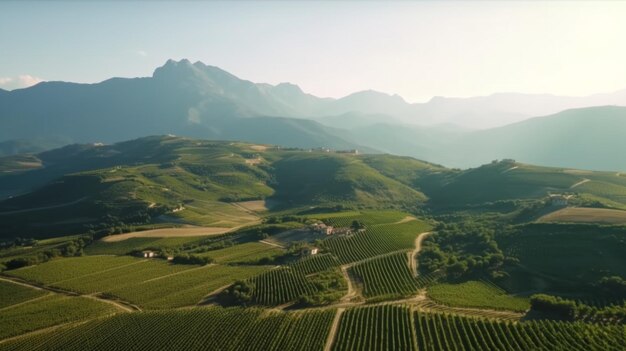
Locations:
331 49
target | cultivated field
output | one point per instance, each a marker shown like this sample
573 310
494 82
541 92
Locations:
186 231
476 294
586 215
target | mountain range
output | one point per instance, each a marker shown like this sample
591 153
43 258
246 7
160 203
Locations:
197 100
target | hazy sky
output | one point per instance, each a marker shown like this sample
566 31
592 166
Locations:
415 49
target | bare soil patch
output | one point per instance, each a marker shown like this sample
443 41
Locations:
258 147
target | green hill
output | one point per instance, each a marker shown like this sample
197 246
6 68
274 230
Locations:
174 180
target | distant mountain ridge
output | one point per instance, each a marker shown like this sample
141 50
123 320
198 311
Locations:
202 101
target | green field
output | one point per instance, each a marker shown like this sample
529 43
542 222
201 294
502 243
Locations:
152 283
314 264
124 247
196 329
476 294
186 288
585 215
49 311
251 252
11 294
63 269
279 286
376 240
388 276
398 328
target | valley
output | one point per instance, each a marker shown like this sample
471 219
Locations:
304 244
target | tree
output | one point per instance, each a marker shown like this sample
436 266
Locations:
356 225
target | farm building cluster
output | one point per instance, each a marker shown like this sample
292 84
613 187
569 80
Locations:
559 200
323 229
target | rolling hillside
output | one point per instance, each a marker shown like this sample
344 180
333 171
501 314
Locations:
181 181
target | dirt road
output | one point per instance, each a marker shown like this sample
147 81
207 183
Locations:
332 335
580 183
415 252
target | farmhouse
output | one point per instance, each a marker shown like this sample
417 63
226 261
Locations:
310 251
559 200
322 228
148 254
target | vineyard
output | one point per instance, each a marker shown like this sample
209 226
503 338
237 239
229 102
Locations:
279 286
13 294
391 327
152 284
376 240
251 252
477 294
314 264
212 328
186 288
375 328
48 311
387 276
369 218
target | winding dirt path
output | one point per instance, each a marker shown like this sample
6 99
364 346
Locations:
332 335
415 252
271 244
580 183
351 291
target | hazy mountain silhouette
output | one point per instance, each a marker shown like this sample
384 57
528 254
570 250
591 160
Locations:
197 100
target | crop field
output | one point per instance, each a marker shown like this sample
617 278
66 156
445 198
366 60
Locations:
11 294
68 268
314 264
250 252
344 219
214 214
449 332
376 240
375 328
388 276
185 288
279 286
49 311
611 191
476 294
210 328
153 284
182 232
123 247
122 276
390 327
586 215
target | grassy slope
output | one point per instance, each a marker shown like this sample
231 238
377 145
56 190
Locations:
145 179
